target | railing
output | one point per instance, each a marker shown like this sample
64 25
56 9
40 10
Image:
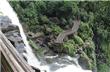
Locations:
13 58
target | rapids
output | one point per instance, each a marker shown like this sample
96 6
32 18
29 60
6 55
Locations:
32 60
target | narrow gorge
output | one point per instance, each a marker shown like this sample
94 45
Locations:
59 36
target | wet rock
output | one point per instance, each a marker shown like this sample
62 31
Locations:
4 21
6 24
9 28
54 67
57 48
83 62
12 33
20 47
15 39
36 69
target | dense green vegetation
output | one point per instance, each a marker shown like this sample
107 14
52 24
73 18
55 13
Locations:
92 39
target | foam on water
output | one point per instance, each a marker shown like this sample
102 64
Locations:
71 68
7 10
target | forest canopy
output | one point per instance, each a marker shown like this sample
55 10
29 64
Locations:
50 18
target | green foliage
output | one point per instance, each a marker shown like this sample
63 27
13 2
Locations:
102 14
70 46
90 63
44 19
103 68
91 19
104 42
103 32
27 13
34 46
106 50
78 40
84 15
56 29
63 20
85 31
95 25
90 44
89 50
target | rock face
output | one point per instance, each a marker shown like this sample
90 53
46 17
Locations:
4 21
12 33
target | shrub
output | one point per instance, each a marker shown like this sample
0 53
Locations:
78 40
34 46
85 31
44 19
56 29
70 46
103 68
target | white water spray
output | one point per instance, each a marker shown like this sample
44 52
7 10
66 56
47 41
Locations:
8 11
32 60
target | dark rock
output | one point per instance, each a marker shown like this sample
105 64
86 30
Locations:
9 28
83 62
55 20
36 69
30 35
6 24
20 47
15 39
4 21
57 48
12 33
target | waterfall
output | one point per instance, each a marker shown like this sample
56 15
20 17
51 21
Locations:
7 10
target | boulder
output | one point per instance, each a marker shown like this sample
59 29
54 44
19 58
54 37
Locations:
83 62
12 33
20 47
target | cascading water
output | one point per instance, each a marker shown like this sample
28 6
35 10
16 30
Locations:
7 10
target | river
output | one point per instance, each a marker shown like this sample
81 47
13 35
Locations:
61 64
